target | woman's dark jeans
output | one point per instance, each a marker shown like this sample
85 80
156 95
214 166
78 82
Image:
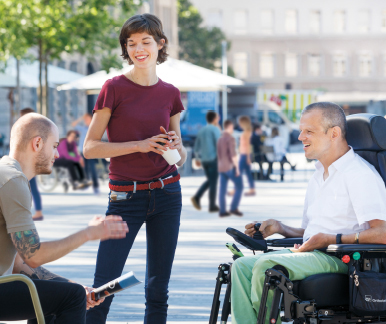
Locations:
160 209
245 167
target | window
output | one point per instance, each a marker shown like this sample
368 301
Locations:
291 65
315 22
314 64
365 65
275 118
339 65
267 21
214 18
241 65
62 64
74 66
364 21
383 27
291 21
339 21
240 21
266 65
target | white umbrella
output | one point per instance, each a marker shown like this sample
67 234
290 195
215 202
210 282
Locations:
29 75
183 75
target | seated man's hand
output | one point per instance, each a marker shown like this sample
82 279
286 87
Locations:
318 241
111 227
90 302
267 228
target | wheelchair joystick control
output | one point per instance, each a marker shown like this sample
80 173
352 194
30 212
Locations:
257 235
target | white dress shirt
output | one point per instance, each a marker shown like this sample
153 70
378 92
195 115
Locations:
352 195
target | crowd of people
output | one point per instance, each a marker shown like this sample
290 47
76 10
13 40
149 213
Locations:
217 152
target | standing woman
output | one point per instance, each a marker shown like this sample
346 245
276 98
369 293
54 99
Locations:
245 152
144 187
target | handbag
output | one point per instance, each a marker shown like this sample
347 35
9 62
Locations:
367 292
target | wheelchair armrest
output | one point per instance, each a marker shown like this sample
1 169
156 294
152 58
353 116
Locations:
285 242
348 248
248 242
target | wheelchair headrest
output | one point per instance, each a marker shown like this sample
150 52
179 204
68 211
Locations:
366 132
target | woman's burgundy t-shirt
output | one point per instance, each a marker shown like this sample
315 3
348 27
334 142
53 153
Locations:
137 112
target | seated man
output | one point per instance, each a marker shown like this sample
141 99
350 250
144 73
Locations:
33 149
345 203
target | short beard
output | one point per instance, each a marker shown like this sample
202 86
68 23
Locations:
42 165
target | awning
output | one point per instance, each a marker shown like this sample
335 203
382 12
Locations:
29 75
183 75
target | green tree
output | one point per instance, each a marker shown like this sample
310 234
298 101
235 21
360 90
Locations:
52 27
198 45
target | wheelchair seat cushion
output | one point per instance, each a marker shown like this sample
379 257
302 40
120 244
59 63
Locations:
327 289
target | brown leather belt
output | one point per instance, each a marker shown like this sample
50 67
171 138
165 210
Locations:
160 183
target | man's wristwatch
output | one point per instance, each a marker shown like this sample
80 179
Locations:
339 238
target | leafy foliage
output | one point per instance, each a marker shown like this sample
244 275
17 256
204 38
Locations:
198 45
89 27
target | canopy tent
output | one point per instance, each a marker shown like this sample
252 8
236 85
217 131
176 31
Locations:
183 75
29 75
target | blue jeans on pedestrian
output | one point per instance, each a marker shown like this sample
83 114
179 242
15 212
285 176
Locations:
35 194
160 209
211 173
224 177
90 171
245 167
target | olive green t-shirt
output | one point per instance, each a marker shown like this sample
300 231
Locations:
15 209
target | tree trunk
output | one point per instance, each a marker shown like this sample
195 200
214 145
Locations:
47 88
40 103
18 89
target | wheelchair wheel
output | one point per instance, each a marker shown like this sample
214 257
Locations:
48 182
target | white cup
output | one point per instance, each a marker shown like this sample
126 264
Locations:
171 156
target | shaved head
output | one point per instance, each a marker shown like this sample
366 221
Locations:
28 127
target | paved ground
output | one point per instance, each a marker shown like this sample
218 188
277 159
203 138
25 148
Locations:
200 250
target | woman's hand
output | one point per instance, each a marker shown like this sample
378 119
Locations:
151 144
172 135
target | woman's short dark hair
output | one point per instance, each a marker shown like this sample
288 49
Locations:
146 23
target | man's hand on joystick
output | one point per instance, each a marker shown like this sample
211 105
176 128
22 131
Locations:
266 228
257 235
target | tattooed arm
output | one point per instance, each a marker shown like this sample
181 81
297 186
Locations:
35 253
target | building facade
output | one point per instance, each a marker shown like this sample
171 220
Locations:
304 44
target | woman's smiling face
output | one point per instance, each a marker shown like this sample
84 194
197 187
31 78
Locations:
143 49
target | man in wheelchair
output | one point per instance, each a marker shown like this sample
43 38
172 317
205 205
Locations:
345 204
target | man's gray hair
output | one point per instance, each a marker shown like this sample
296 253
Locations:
333 115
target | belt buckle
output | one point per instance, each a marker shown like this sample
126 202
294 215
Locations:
150 188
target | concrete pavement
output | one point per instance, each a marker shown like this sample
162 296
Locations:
200 250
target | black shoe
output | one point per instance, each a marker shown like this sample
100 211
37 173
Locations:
226 214
236 212
214 209
196 203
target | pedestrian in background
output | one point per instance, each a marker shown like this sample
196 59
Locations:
257 143
205 150
38 216
228 168
279 152
81 125
245 153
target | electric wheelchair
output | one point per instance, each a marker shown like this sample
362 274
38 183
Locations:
356 297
